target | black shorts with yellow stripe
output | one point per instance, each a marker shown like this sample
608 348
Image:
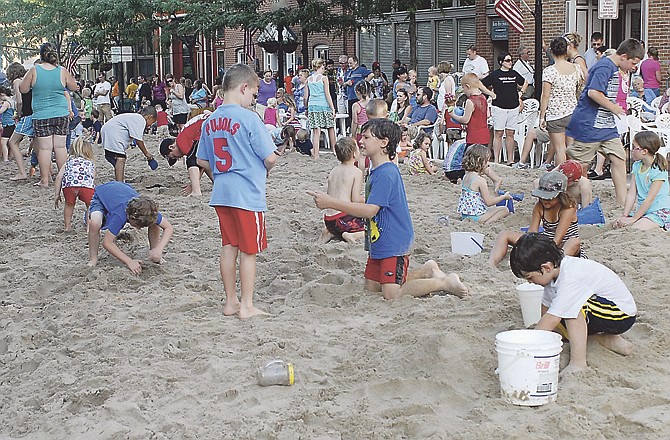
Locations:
604 316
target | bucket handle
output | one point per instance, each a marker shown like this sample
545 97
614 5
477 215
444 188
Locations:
477 243
519 354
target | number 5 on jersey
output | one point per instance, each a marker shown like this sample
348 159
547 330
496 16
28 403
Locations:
224 159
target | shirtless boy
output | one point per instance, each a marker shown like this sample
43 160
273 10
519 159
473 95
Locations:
344 183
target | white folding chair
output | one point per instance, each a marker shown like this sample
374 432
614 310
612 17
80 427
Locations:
665 107
656 102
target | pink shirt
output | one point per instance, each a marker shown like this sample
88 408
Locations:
622 93
648 70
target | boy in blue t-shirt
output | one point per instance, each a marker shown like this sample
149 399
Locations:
593 125
113 205
389 230
239 151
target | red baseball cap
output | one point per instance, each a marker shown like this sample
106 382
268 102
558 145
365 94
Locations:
572 170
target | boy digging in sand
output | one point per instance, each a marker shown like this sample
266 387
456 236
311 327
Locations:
389 230
582 296
344 183
113 205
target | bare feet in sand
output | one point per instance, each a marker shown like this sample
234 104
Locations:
325 236
615 343
352 237
92 262
246 313
19 177
41 185
572 369
231 308
453 285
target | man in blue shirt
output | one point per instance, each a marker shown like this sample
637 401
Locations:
425 113
593 125
353 76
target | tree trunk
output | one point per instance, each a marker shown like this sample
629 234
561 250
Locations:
413 56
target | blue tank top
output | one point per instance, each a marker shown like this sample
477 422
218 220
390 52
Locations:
8 117
317 95
48 97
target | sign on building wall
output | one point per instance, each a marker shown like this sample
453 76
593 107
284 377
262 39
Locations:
121 53
608 9
499 30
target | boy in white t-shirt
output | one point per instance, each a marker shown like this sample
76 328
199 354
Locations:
582 295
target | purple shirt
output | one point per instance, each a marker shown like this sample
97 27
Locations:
266 91
648 70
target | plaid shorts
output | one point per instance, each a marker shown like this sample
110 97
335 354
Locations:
52 126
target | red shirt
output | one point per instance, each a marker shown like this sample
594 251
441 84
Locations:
288 84
190 133
161 119
477 131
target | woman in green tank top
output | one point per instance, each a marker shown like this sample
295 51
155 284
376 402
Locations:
51 112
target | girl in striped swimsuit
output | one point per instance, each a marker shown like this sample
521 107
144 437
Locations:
556 210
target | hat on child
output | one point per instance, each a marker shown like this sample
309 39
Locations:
165 149
551 185
572 170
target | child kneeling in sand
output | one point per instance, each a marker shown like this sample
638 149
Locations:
582 295
389 230
344 183
115 203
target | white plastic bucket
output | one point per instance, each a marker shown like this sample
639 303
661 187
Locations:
530 299
467 243
528 362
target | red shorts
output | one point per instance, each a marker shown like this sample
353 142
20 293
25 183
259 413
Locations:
392 270
242 229
339 223
71 193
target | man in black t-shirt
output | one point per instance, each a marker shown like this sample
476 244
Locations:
505 83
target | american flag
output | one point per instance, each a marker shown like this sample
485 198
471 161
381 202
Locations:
249 47
75 51
509 10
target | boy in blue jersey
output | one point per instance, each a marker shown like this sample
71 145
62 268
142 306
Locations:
113 205
389 229
239 151
593 125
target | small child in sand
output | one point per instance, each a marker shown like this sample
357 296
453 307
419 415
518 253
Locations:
579 186
238 149
555 210
162 122
76 179
303 143
389 230
418 159
580 295
113 205
344 183
476 202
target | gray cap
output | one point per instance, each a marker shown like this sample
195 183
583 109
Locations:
551 185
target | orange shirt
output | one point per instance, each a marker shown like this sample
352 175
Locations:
288 84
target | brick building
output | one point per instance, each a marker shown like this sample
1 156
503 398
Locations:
444 34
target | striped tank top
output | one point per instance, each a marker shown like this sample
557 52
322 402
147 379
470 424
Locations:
572 232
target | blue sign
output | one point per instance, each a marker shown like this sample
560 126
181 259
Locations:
499 29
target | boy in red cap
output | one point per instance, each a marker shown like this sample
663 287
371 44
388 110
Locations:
579 187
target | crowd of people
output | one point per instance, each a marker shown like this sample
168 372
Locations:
255 120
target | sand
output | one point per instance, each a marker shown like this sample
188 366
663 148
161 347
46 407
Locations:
98 353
